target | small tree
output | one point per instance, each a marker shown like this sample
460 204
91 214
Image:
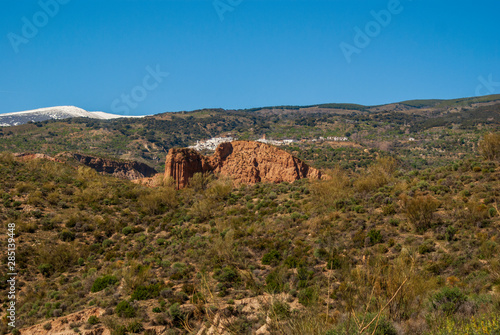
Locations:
420 211
489 146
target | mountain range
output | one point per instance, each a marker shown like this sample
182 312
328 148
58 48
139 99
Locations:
52 113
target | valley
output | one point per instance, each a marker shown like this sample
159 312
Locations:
392 228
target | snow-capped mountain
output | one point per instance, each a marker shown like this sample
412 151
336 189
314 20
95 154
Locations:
52 113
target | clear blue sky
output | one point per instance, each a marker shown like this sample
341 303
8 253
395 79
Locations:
92 53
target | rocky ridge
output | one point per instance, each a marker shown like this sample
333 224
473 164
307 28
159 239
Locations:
245 162
130 170
121 169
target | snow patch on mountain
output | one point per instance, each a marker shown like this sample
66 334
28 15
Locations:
52 113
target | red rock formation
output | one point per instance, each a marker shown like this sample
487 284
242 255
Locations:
121 169
182 164
243 161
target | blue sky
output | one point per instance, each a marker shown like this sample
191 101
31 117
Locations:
114 56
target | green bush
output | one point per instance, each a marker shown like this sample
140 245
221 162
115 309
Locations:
276 280
450 233
93 320
489 146
67 235
375 236
45 269
426 247
125 310
307 296
420 211
227 275
448 300
102 282
281 310
273 257
334 263
175 312
127 230
135 327
143 292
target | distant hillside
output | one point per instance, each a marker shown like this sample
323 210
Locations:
445 129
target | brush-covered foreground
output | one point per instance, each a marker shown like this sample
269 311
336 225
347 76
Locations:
386 249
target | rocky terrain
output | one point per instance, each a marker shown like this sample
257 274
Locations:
121 169
245 162
130 170
401 237
63 325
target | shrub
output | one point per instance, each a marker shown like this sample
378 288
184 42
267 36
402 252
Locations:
199 181
281 310
448 300
307 296
394 222
376 175
426 247
276 280
375 236
125 310
102 282
334 263
450 233
45 269
420 211
488 249
119 330
271 258
47 326
175 312
227 275
67 235
326 192
93 320
135 327
158 200
489 146
384 327
127 230
388 210
143 292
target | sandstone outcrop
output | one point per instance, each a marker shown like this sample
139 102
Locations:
26 156
244 162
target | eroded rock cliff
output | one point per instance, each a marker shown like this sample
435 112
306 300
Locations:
122 169
244 162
